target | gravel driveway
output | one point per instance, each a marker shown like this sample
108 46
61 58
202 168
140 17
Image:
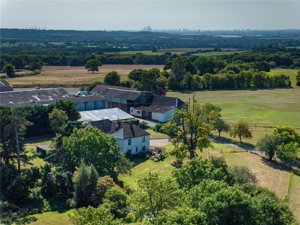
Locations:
159 142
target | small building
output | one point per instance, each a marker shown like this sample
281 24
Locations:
42 150
130 138
5 86
112 114
160 109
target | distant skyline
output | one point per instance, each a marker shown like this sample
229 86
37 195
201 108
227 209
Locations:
165 14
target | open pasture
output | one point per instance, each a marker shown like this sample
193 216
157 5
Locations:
66 76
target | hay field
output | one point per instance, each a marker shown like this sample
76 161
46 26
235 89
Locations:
66 76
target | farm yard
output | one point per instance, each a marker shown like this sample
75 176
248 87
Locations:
65 76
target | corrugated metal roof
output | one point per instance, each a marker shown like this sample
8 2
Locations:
102 114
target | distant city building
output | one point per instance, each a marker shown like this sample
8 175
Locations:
130 138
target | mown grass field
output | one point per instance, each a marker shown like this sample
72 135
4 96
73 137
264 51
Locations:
65 76
215 53
260 107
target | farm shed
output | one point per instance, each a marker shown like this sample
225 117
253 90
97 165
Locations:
110 114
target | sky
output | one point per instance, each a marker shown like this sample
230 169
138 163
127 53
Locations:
159 14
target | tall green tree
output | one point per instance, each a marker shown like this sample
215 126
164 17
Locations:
112 78
190 129
13 128
85 181
155 194
220 125
269 144
58 120
91 146
9 70
298 78
92 65
241 130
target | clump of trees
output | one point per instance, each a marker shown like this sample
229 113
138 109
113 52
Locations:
201 192
112 78
284 143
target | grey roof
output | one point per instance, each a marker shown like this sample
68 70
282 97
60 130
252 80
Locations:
161 104
110 127
102 114
117 92
5 86
32 97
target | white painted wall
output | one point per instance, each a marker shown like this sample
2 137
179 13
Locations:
136 146
163 117
135 112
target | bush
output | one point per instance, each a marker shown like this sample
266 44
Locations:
243 175
157 154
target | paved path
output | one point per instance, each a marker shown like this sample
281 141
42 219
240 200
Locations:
159 142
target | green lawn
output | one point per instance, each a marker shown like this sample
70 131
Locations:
52 218
261 107
164 168
156 135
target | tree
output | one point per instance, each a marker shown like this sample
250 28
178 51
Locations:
136 74
195 171
35 66
220 125
103 185
91 146
93 216
242 130
269 144
58 120
70 108
116 200
243 175
298 78
18 62
9 70
190 129
287 134
92 65
155 194
289 151
85 181
222 204
13 127
112 78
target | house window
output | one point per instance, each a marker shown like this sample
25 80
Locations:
144 148
144 138
129 141
136 149
138 112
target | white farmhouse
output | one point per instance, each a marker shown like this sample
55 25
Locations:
130 138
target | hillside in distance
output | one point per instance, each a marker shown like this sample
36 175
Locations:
143 40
